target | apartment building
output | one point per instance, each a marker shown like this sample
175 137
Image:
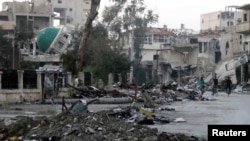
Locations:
68 12
27 15
220 20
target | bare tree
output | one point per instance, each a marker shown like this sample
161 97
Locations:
85 35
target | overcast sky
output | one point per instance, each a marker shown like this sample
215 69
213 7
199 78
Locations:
173 13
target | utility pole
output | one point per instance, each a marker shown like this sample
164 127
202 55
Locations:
131 77
13 53
155 67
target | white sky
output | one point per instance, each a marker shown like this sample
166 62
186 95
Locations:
173 13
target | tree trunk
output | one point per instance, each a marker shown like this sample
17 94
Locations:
85 35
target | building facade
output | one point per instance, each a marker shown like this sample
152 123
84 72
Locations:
223 43
68 12
37 17
243 28
167 54
219 20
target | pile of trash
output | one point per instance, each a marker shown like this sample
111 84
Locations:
106 125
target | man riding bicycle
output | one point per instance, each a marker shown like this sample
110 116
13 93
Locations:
215 85
228 86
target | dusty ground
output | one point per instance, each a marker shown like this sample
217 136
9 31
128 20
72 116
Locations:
198 114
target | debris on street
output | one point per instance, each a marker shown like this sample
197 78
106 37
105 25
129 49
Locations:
148 107
104 125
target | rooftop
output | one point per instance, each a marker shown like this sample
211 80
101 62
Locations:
245 7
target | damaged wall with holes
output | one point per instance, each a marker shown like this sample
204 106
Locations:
68 12
30 85
28 14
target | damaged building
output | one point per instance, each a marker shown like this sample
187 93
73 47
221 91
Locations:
44 45
221 48
224 44
32 16
168 54
243 28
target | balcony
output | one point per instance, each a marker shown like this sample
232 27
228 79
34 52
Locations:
243 28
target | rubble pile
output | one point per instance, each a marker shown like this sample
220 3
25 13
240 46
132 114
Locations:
118 124
100 126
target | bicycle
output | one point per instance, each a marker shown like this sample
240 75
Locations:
201 91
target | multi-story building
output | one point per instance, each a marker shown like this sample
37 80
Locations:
220 20
27 15
35 18
72 12
42 13
243 28
224 34
32 16
28 18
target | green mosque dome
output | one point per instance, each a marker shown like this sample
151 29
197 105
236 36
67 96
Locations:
45 37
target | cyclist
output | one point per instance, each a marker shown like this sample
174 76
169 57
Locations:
215 85
228 85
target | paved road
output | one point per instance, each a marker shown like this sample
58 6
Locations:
233 109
